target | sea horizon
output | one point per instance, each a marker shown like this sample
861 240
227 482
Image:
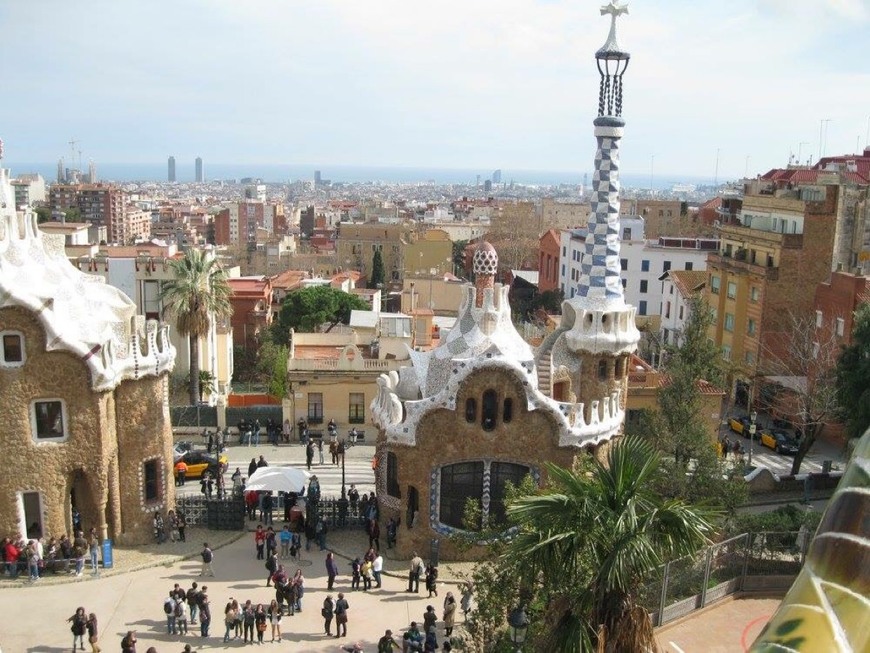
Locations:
286 173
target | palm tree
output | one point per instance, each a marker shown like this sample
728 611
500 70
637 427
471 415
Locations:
589 543
197 294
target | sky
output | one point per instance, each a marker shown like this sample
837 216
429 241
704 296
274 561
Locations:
450 83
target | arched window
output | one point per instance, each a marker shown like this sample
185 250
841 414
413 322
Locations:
507 413
489 410
393 488
470 409
463 481
459 483
602 370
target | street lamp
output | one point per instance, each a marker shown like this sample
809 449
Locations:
752 416
518 624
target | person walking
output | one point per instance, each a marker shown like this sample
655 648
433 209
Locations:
93 633
79 623
431 580
327 612
169 610
429 618
180 472
275 614
299 585
252 467
341 608
182 525
260 541
271 568
449 615
374 534
193 597
207 558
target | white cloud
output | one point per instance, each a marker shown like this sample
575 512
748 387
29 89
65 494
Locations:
491 83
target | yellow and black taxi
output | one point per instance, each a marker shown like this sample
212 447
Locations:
780 441
740 425
199 462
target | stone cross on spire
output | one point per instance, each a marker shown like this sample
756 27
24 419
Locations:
615 10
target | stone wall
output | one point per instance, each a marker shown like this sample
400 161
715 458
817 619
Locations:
445 437
52 468
144 433
107 488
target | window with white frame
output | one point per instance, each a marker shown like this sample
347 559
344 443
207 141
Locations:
11 349
715 283
732 290
841 326
753 294
729 322
48 420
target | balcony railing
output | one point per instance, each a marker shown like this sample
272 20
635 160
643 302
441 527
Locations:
737 266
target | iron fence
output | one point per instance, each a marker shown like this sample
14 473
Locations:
747 562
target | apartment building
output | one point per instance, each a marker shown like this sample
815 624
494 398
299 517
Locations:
103 205
643 262
769 263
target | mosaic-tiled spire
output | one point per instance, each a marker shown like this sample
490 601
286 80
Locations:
600 269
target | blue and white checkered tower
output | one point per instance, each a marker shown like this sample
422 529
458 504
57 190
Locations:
607 325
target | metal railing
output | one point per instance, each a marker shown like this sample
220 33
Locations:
750 562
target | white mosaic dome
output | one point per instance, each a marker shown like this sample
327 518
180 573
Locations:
485 260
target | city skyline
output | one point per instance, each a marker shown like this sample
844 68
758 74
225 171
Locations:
719 90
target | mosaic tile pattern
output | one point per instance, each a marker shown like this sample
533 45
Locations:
79 312
600 269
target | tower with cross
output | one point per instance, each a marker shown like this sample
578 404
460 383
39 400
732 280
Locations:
598 327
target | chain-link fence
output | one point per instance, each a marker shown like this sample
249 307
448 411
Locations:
747 562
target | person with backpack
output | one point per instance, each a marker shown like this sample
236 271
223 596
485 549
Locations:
181 613
79 623
169 609
271 568
193 602
207 558
387 643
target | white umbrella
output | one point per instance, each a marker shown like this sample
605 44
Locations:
278 479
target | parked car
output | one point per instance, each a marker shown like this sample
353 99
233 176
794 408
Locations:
199 462
740 425
780 441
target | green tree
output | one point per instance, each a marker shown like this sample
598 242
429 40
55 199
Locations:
311 307
43 214
853 376
458 257
377 278
681 427
73 214
272 368
197 293
586 545
207 383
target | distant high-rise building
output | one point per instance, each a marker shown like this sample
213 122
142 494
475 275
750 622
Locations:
199 175
496 177
92 172
171 175
61 174
477 183
317 179
487 186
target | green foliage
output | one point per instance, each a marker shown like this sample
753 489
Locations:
307 309
73 214
272 368
377 276
852 374
459 256
787 519
585 545
43 214
197 293
207 383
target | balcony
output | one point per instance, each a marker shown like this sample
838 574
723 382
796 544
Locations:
762 237
741 267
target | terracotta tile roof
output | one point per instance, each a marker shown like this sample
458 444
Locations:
289 279
688 282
